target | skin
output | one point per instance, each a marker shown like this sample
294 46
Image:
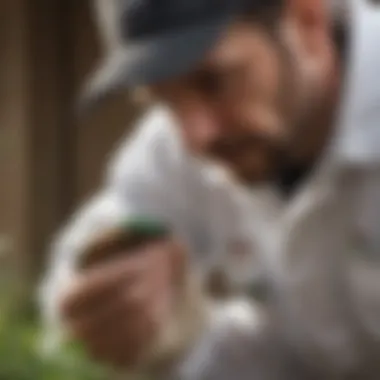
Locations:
116 308
257 101
254 103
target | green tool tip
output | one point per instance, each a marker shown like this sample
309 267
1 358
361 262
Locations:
146 226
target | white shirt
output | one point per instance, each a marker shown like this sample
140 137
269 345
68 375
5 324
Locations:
321 250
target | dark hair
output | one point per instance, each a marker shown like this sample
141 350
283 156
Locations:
265 12
261 8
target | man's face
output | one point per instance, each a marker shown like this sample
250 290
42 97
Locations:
247 106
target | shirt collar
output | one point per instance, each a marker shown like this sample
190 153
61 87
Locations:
358 134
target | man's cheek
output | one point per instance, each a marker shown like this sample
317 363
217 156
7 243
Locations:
197 139
190 142
262 119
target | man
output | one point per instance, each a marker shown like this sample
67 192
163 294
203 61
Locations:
263 156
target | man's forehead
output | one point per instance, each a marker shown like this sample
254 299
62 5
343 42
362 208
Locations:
239 41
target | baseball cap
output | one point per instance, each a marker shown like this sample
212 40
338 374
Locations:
160 39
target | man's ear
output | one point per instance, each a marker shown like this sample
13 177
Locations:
311 18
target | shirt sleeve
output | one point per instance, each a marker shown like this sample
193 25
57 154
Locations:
136 183
147 176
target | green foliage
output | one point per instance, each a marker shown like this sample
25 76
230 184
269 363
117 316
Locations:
20 358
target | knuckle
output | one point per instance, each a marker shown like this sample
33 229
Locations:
82 332
130 357
137 325
132 300
68 305
123 346
99 352
135 316
106 349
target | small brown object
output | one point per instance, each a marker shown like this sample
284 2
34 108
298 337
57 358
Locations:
108 244
121 240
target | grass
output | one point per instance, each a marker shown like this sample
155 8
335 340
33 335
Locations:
20 358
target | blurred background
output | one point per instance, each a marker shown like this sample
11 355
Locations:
49 160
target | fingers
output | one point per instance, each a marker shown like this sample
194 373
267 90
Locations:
124 343
96 285
117 332
178 262
117 308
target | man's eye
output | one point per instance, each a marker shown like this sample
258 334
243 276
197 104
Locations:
219 85
208 84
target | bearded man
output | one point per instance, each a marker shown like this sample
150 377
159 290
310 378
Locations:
261 155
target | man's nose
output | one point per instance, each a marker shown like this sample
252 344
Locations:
202 125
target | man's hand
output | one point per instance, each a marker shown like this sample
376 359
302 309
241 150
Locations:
118 308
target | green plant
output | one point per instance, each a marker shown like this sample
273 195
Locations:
21 360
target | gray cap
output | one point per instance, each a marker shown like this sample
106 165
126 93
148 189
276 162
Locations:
161 39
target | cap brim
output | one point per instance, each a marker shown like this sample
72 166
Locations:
151 61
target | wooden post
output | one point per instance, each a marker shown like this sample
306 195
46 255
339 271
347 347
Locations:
15 145
49 161
35 139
